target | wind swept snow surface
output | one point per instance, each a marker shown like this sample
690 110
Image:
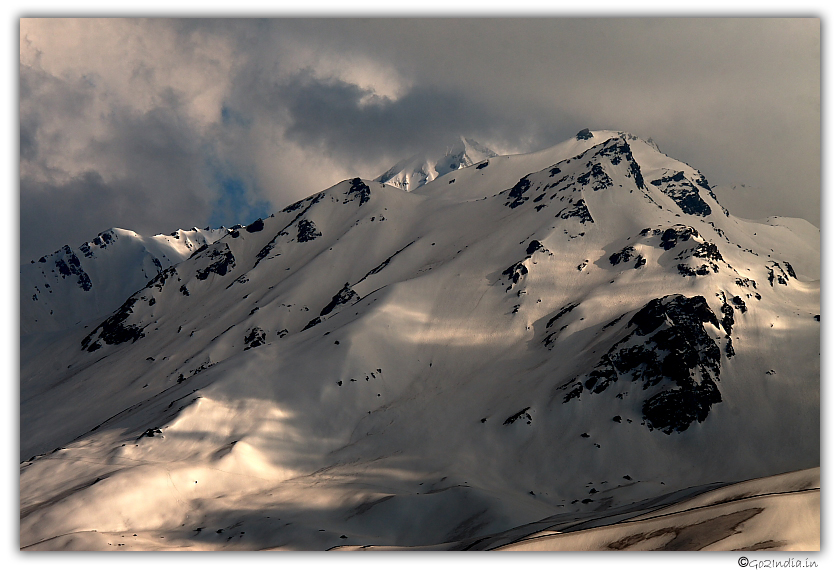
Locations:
572 333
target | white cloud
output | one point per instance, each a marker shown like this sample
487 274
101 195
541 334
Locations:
139 102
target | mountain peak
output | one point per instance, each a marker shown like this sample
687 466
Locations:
411 173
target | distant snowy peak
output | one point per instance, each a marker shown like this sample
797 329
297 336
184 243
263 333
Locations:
169 248
74 285
422 168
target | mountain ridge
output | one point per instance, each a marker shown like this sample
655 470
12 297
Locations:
72 286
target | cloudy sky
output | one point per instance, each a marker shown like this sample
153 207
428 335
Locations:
157 124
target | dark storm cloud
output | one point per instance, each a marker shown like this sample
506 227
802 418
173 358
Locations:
154 178
162 120
55 214
737 98
357 125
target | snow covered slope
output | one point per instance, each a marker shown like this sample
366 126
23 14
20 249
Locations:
781 512
576 331
773 513
420 169
75 285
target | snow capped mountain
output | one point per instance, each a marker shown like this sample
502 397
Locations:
576 334
75 285
421 169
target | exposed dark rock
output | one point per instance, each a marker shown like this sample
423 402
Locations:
636 172
254 338
344 296
159 280
521 414
584 134
774 277
266 249
481 165
623 255
292 207
534 247
566 309
71 265
577 210
517 193
689 271
312 323
199 250
677 409
729 349
682 191
707 250
739 304
314 199
84 281
223 261
676 233
358 189
184 291
255 226
597 178
618 150
668 345
728 316
742 282
790 270
114 330
515 272
385 263
612 322
549 339
307 231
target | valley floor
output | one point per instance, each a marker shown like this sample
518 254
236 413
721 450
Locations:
781 512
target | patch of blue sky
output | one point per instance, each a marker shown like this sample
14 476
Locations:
236 205
230 117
